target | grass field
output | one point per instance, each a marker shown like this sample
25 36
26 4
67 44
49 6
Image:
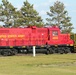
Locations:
55 64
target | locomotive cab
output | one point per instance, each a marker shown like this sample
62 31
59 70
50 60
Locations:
59 43
54 33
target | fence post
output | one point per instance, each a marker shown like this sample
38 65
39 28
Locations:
34 51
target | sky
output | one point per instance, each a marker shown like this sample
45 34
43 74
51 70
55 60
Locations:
43 6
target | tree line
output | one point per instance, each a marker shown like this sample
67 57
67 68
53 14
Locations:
28 16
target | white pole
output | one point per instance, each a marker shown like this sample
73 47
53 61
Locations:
34 51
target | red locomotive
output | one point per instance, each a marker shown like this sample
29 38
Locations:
13 40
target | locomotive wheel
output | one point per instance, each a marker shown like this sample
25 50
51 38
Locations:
47 52
4 53
14 51
61 50
67 50
52 51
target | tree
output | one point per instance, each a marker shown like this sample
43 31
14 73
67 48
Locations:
29 15
59 17
7 13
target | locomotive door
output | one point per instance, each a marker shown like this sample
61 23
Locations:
32 37
53 37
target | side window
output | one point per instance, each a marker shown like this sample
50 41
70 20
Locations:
55 33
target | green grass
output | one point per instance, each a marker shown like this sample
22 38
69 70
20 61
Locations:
55 64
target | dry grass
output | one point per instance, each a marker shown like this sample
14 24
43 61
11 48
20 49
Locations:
40 65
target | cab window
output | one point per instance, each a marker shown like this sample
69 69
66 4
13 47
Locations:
55 33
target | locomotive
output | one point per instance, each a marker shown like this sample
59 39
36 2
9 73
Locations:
46 39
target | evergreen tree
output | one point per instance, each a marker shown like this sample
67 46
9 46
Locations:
7 13
59 17
1 18
29 15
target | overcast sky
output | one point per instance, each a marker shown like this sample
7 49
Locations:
42 6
